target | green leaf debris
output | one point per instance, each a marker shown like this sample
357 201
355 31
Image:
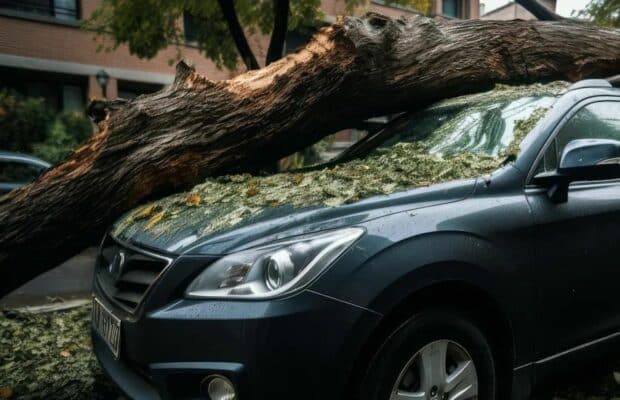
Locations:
49 356
223 202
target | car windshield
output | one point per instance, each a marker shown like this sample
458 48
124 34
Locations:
485 124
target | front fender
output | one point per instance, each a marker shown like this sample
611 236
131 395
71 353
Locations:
381 274
392 274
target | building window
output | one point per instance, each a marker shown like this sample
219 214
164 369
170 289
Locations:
190 28
130 90
450 8
60 91
72 98
60 9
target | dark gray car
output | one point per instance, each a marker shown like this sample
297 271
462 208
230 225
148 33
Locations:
478 288
18 169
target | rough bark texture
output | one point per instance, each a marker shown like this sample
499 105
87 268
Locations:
353 70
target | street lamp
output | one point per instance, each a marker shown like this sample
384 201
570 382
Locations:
102 80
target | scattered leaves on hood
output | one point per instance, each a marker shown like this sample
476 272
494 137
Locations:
193 199
145 212
49 356
154 220
231 199
298 178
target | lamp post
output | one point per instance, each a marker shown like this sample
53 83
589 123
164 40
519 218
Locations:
102 80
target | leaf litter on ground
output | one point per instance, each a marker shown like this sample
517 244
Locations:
49 356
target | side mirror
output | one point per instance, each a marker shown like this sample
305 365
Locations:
582 159
584 153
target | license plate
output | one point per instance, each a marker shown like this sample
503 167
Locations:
107 325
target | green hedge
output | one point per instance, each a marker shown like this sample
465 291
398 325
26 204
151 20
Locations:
28 126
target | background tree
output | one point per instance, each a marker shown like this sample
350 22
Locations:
603 12
220 26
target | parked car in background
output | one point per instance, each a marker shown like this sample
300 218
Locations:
19 169
479 288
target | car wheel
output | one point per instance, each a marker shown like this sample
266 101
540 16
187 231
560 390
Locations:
436 355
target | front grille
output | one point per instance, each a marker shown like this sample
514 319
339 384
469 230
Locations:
126 273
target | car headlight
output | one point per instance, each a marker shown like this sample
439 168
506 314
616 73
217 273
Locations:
272 270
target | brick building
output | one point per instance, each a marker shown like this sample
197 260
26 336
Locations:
43 51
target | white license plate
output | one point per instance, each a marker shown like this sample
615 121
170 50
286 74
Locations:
107 325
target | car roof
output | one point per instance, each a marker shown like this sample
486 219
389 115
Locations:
11 156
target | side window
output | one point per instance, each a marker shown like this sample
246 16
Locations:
595 121
15 172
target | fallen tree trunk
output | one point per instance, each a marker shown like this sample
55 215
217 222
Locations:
352 70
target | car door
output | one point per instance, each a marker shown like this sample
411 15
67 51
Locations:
577 242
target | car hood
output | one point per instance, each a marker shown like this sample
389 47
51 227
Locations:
193 233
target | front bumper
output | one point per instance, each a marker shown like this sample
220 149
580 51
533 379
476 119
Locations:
301 347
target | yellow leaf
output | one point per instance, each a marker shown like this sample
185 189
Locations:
145 212
154 220
193 199
298 179
6 392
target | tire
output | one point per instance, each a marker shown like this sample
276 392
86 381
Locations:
424 337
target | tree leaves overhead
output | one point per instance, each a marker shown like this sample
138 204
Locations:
603 12
149 26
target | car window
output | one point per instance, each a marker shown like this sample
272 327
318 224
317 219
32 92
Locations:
599 120
18 172
486 126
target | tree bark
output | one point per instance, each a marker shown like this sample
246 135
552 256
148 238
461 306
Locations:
353 70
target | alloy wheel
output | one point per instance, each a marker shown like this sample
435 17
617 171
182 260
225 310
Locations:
441 370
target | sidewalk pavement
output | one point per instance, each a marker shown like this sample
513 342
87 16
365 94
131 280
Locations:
69 281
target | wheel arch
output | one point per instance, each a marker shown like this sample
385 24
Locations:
454 295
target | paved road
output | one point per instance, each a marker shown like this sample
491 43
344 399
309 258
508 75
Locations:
70 280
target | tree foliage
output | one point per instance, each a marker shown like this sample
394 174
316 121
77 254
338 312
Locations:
603 12
66 133
23 121
149 26
27 125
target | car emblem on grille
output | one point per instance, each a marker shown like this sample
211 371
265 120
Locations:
116 266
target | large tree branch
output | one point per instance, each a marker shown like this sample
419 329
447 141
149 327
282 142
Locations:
236 31
280 27
539 11
353 70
